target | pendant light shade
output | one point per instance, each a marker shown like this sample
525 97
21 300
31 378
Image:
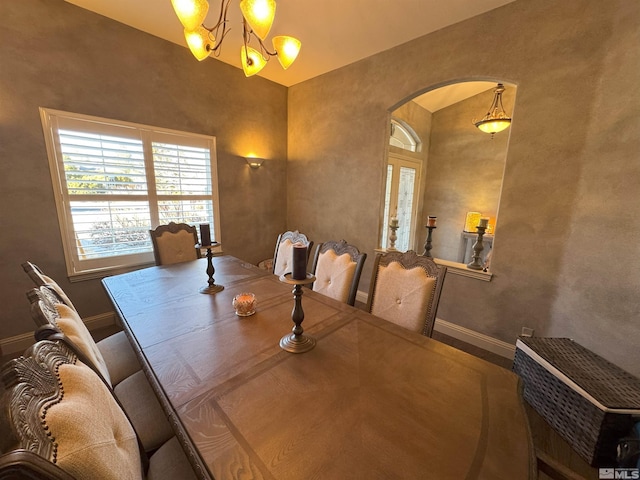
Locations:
191 13
200 42
496 119
252 61
257 18
259 15
287 49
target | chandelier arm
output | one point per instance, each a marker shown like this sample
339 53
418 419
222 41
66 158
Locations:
222 23
264 48
246 39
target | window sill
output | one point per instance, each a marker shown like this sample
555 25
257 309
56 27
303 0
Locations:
461 269
106 272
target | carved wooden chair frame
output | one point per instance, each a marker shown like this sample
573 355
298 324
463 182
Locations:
409 260
172 227
34 273
30 386
340 248
294 237
43 300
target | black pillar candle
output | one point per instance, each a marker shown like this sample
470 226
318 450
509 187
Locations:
205 234
299 262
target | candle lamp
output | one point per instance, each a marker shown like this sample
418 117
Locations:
472 220
393 236
299 261
297 341
478 247
427 245
211 287
205 234
244 304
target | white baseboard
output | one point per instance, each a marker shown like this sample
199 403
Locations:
362 296
466 335
477 339
19 343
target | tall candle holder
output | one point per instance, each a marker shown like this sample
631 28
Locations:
297 341
427 244
393 237
478 247
211 287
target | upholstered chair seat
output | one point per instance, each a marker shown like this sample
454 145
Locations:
60 419
405 289
174 243
337 267
283 255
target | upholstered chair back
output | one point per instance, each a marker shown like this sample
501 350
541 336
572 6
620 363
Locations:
283 255
58 409
40 279
174 243
337 267
45 310
405 289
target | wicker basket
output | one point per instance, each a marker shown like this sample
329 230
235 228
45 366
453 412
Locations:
589 401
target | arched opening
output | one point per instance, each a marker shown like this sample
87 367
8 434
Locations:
460 168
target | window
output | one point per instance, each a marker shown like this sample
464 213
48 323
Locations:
113 181
403 136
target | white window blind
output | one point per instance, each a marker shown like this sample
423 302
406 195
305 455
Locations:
114 181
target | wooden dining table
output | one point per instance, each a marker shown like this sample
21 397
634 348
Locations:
371 400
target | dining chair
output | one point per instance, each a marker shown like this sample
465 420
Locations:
39 278
283 256
60 421
174 243
135 393
405 289
115 349
337 267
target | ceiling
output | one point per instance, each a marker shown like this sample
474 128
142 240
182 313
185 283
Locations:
334 33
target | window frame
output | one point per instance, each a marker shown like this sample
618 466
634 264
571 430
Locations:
408 133
55 120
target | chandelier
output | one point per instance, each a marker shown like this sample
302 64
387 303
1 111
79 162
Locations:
257 18
496 119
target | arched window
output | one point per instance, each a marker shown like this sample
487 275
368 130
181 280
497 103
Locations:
403 136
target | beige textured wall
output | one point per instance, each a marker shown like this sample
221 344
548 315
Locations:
56 55
572 167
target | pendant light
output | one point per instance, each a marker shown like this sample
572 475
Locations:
496 119
257 19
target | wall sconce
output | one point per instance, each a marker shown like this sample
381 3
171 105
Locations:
472 221
254 162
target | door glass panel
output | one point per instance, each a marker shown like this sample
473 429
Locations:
387 202
405 206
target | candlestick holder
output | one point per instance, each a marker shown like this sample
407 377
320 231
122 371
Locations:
297 341
427 244
478 247
393 237
211 287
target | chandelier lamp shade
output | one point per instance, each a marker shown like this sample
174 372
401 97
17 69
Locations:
257 19
496 119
